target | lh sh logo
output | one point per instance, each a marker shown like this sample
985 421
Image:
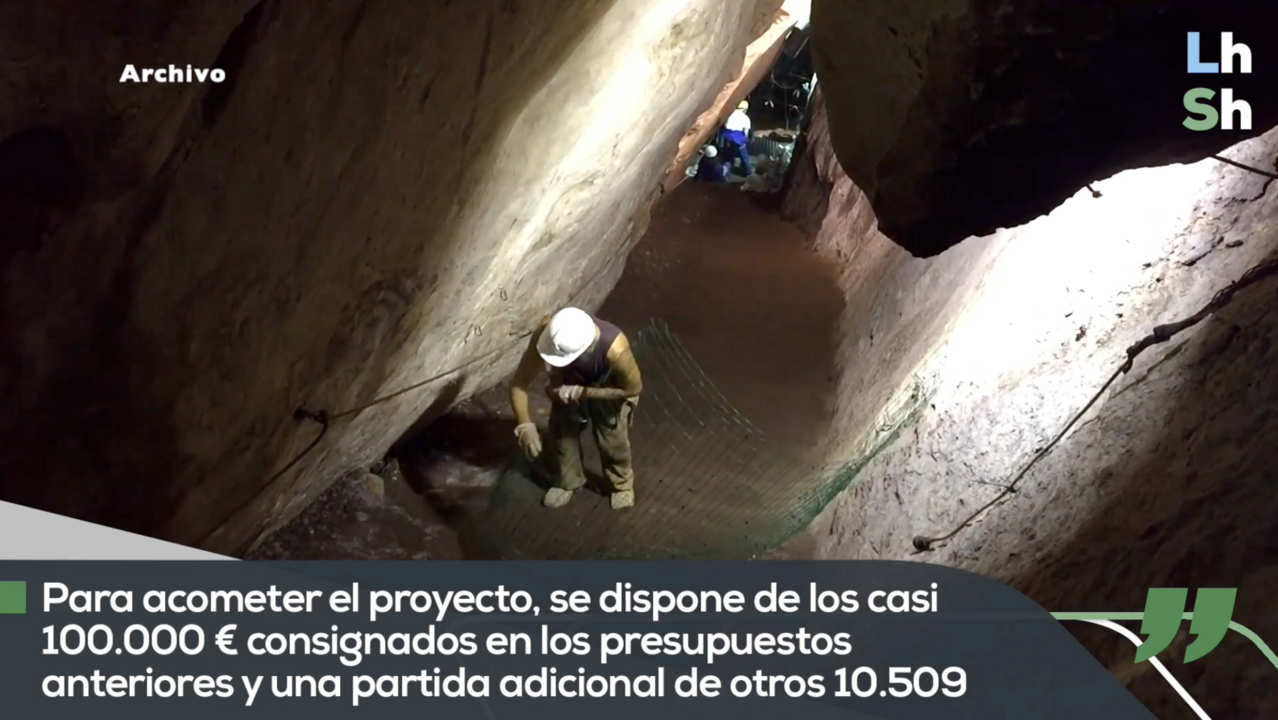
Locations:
1198 100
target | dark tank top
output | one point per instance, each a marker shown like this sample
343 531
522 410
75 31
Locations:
591 368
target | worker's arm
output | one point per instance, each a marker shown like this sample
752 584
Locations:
621 359
525 374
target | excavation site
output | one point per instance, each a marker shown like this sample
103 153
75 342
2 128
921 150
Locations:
945 282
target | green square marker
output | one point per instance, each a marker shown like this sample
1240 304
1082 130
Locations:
13 598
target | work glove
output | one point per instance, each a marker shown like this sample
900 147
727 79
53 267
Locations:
529 440
568 394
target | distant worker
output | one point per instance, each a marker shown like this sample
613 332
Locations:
595 382
710 168
736 136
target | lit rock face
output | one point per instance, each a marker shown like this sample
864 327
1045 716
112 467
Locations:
1166 481
960 117
378 193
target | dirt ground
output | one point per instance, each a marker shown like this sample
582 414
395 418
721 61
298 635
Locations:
737 288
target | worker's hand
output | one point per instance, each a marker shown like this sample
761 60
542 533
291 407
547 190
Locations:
529 440
568 394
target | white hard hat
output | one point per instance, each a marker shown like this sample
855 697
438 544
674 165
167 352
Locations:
710 151
566 337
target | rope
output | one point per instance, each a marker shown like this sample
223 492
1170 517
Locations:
1160 334
325 419
1236 164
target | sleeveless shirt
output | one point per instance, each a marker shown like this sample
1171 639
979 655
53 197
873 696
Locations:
591 368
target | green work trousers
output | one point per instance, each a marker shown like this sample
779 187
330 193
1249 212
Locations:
609 422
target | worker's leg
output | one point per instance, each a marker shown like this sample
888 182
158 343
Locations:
566 426
743 152
611 424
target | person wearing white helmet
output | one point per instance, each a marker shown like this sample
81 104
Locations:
736 136
594 382
710 168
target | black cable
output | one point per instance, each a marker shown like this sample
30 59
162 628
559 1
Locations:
1237 164
1159 335
325 419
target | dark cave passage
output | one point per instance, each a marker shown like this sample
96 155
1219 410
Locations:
742 293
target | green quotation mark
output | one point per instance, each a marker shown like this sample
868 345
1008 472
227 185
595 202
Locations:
1164 610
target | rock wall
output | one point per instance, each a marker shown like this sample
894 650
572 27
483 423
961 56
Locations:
898 306
771 30
1166 482
378 194
960 117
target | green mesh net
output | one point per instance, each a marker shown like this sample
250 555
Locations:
709 484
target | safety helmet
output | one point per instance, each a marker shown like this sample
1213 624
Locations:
568 335
743 105
710 151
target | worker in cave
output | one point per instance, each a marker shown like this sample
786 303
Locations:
594 382
735 136
711 168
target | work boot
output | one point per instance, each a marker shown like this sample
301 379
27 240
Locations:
556 498
622 500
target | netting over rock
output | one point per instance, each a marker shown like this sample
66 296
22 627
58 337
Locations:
708 483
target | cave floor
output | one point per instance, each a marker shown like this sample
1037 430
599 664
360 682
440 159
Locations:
743 297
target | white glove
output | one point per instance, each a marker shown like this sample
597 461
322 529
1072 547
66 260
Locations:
568 394
529 440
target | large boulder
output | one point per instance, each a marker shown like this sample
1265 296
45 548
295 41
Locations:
958 117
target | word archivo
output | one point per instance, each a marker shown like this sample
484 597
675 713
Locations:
172 74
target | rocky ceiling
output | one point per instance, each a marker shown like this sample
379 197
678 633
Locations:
958 117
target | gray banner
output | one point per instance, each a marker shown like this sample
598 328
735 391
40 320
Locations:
886 640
